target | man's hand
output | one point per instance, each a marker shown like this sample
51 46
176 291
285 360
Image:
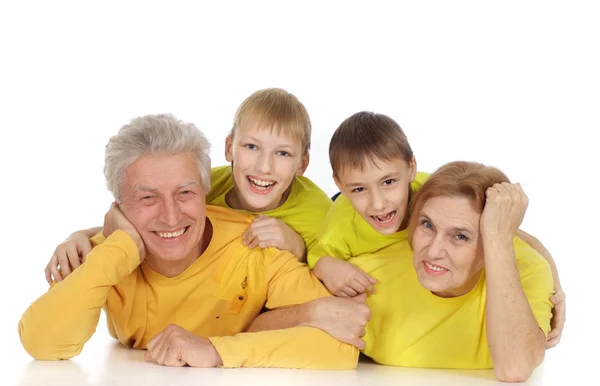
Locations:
343 319
114 220
504 210
176 347
342 278
68 256
267 232
558 318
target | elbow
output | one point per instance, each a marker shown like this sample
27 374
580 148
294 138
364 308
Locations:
347 358
518 369
41 347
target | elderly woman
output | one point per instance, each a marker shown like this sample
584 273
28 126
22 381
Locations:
471 295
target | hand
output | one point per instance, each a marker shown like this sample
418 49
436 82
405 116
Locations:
342 278
504 210
267 232
114 220
67 257
343 319
176 347
558 318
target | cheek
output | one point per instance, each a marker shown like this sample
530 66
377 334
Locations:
466 260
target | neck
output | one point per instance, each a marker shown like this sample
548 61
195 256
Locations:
463 289
169 268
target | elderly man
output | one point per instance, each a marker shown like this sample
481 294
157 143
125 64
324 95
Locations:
173 275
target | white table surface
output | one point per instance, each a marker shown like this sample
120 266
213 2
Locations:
105 362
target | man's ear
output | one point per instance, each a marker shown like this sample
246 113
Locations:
412 169
229 148
303 165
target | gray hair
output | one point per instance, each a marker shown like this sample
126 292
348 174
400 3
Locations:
154 134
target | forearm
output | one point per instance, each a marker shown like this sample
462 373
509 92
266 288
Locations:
515 340
90 232
539 248
281 318
60 322
300 347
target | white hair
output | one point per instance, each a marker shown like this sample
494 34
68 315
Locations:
154 134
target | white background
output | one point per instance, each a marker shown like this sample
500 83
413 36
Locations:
514 84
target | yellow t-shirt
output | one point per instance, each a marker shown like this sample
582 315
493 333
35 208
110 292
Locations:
303 211
412 327
344 233
217 297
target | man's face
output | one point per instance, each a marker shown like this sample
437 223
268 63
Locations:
162 196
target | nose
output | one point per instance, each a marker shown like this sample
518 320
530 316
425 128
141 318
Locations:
377 201
437 248
265 163
170 212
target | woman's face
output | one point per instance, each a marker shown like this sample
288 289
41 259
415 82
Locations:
448 255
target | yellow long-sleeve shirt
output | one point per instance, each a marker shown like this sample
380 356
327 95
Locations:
217 297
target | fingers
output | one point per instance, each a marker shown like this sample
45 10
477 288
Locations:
72 255
360 298
348 291
63 262
366 281
357 286
358 343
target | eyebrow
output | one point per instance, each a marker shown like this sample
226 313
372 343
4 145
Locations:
386 177
253 139
153 190
454 230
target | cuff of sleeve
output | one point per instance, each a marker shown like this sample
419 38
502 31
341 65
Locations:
224 346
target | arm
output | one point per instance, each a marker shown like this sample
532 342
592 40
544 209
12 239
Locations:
265 232
289 283
515 339
559 297
60 322
343 319
70 254
539 248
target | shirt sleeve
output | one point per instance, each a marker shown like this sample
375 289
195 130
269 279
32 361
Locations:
537 283
289 283
297 348
59 323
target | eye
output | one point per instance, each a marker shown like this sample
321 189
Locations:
426 224
186 192
461 237
284 153
250 146
389 181
358 190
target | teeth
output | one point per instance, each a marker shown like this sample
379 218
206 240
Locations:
261 183
167 235
386 218
435 267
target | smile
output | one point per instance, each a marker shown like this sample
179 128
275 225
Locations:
386 218
170 235
260 185
433 269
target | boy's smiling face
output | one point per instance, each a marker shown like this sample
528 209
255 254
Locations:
379 192
264 165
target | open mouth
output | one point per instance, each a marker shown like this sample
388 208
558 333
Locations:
433 269
172 235
260 186
385 219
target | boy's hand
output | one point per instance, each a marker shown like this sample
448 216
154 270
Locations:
342 278
267 232
558 318
68 256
